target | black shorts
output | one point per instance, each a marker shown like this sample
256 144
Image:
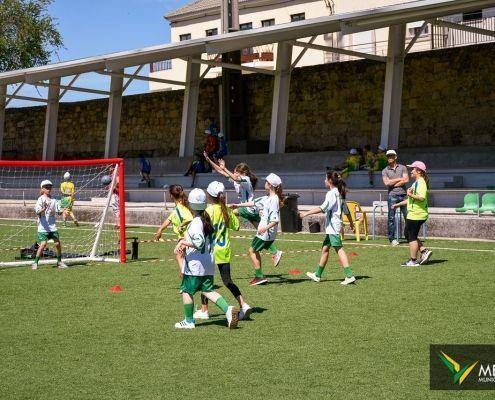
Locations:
412 229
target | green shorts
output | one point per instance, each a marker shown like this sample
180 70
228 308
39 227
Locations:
192 284
46 236
260 244
248 215
332 241
66 202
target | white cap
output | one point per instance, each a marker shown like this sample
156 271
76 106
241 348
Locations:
197 199
215 188
46 182
353 152
220 134
67 175
391 153
382 148
274 180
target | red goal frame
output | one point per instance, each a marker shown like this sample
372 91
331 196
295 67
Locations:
99 161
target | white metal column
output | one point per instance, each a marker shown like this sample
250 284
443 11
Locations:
3 101
51 120
190 108
280 107
392 96
113 117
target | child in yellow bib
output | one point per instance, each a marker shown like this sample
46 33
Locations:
67 189
180 217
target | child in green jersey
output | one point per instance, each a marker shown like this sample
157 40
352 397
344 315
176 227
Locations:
180 217
332 207
417 214
223 220
269 209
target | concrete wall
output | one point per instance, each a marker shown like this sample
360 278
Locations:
448 100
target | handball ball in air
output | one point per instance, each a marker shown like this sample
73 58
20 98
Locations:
106 180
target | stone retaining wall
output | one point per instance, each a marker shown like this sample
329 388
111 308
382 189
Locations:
448 100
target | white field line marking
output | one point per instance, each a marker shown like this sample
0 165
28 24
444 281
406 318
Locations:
303 241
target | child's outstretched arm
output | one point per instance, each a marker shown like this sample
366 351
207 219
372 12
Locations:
222 171
246 204
160 230
316 210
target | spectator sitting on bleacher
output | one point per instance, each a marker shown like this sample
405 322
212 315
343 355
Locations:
145 170
351 163
197 166
381 159
211 146
222 152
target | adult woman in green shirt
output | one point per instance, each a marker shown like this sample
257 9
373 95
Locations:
417 214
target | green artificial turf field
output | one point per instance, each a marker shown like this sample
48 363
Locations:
64 335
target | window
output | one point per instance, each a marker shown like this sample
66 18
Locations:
212 32
414 31
268 22
246 26
472 15
185 36
161 66
297 17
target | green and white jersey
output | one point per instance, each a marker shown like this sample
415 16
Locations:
221 233
245 192
198 261
269 209
47 220
332 207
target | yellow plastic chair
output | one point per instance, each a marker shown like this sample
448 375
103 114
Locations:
360 221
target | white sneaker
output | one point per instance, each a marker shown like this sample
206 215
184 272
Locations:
347 281
394 242
34 266
232 315
245 312
425 256
313 276
62 265
185 325
198 314
410 263
276 258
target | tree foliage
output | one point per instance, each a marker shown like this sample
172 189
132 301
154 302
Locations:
28 34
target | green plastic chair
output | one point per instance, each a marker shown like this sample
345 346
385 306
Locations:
488 203
470 203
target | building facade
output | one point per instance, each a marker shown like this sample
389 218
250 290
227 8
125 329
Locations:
202 18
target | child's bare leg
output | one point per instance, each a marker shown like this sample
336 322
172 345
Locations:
217 299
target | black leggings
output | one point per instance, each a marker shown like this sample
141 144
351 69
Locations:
227 281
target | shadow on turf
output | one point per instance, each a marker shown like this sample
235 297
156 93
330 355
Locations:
221 322
284 280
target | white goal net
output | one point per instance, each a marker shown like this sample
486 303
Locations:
85 209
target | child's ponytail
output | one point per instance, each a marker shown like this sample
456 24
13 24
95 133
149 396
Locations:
225 212
338 182
244 170
178 194
280 195
207 225
426 178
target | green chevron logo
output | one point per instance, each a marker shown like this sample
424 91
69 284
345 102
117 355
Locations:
459 373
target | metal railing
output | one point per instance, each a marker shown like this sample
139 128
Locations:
444 37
